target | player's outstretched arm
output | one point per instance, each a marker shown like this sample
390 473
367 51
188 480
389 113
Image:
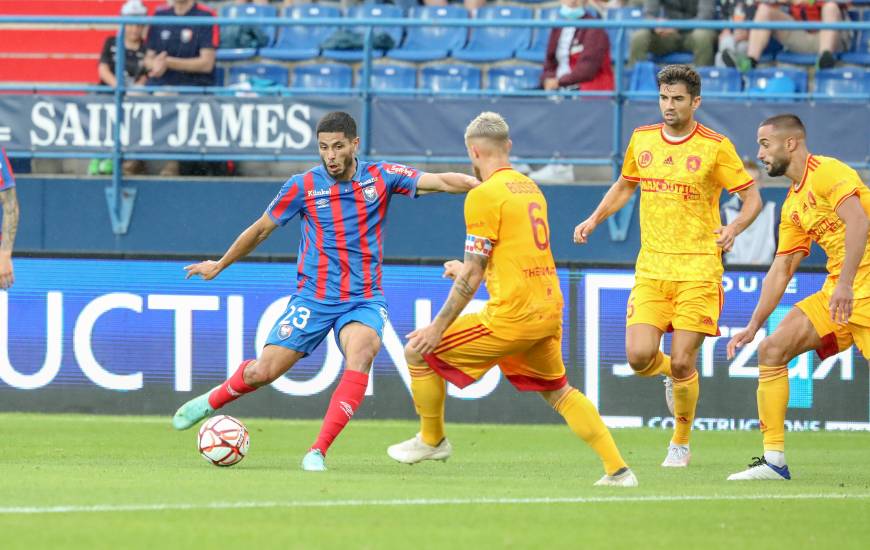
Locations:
857 225
615 198
780 273
446 182
9 204
465 285
748 212
244 244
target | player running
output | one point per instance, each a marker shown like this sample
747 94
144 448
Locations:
520 328
681 168
343 207
829 204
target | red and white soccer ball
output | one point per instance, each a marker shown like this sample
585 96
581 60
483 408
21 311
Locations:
223 440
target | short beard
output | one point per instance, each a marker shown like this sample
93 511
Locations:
777 168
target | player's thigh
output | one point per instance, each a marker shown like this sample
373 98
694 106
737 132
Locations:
697 306
650 303
684 351
303 325
797 333
359 333
538 368
642 342
468 349
275 361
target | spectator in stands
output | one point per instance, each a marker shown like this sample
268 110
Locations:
179 55
757 244
734 39
825 43
577 59
663 40
134 73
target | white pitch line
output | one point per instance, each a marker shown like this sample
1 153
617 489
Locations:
98 508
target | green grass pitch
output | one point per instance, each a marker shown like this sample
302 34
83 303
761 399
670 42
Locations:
132 482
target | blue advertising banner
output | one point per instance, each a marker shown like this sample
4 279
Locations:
134 336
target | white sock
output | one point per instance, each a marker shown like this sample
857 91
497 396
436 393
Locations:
777 458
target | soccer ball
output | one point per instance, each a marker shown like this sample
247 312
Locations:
223 440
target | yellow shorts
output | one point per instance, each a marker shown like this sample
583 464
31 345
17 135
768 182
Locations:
468 350
681 305
835 337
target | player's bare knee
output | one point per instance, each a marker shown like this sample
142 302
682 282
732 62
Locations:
552 397
682 367
255 373
772 352
412 357
640 358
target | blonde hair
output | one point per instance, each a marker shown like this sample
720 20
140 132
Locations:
490 126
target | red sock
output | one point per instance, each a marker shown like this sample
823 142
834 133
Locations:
345 400
232 389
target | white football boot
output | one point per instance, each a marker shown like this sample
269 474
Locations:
623 478
415 450
760 469
678 456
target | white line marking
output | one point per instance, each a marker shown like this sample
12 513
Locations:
411 502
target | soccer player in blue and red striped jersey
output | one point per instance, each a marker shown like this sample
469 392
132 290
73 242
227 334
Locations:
343 206
9 206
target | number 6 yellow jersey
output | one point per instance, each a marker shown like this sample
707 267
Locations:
506 220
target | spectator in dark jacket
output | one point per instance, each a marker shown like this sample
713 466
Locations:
664 40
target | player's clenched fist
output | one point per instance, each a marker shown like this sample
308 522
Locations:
582 231
452 269
208 270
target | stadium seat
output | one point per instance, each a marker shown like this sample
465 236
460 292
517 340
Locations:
322 75
621 14
298 43
514 78
675 58
834 82
450 77
720 80
432 43
237 11
391 77
643 80
538 50
264 71
777 80
369 11
860 54
490 44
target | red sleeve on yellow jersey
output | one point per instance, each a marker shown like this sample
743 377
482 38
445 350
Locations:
729 171
836 182
482 214
629 164
792 237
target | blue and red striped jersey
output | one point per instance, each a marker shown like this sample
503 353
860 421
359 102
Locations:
342 244
7 178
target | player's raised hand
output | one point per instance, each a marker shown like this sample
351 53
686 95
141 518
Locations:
739 340
7 275
208 270
841 304
424 340
452 269
727 234
582 231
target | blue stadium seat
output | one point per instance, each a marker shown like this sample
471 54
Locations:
277 74
432 43
675 58
643 80
450 77
720 80
391 77
777 80
369 11
298 43
489 44
860 54
621 14
538 50
322 75
236 11
833 82
514 78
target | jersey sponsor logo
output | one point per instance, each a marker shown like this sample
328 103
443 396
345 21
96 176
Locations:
827 225
318 192
370 194
400 170
284 331
644 159
478 245
186 35
652 185
321 203
693 163
367 182
669 161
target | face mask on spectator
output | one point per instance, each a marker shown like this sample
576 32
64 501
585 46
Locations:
572 13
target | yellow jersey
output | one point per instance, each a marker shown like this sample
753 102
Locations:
680 184
809 213
506 220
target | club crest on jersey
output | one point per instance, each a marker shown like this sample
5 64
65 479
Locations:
284 331
693 163
644 159
370 193
478 245
795 218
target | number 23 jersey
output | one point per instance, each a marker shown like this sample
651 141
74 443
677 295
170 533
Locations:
506 220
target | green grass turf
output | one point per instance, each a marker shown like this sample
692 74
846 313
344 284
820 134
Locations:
50 460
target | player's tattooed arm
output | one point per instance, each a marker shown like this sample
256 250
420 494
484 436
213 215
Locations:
465 286
9 202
